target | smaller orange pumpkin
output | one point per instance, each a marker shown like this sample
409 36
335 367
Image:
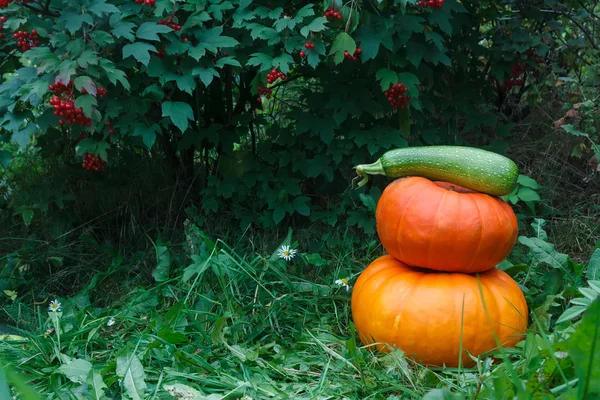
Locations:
427 314
444 227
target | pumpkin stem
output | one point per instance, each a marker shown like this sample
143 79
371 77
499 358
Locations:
365 169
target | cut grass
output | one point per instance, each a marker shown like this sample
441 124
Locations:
247 326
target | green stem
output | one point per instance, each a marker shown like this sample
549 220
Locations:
365 170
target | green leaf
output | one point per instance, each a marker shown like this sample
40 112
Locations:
584 350
436 38
526 181
442 20
87 58
140 51
343 42
73 22
283 62
98 385
264 60
227 61
371 38
186 83
85 82
206 74
100 7
279 212
163 263
593 267
574 131
211 39
179 113
443 394
197 51
387 78
5 158
527 194
410 81
415 53
150 31
121 29
130 370
545 252
77 370
148 133
86 102
316 25
300 206
172 336
306 11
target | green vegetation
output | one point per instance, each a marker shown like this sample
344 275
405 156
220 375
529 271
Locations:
156 156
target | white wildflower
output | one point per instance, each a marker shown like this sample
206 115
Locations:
111 322
286 252
344 283
54 306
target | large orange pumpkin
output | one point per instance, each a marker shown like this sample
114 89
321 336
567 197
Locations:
426 313
444 227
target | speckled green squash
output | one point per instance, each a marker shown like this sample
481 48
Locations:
476 169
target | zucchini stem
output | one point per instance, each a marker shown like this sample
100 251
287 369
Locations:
365 170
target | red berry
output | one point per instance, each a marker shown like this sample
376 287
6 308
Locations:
302 54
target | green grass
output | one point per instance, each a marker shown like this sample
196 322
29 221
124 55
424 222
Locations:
221 324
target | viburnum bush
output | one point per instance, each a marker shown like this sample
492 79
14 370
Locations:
269 105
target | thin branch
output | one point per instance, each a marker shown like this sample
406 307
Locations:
574 51
293 78
585 32
591 12
43 11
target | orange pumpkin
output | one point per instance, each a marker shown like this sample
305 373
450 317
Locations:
444 227
425 313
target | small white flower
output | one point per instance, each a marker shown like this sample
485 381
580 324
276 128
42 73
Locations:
110 322
343 282
286 252
5 189
54 306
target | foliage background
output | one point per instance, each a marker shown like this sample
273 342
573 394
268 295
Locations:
189 149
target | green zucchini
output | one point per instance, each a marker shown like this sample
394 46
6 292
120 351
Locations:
476 169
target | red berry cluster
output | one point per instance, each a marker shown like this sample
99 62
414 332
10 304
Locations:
433 4
396 95
331 15
532 53
93 163
274 75
515 71
110 131
27 40
5 3
168 22
353 57
2 20
160 53
263 90
150 3
64 105
307 46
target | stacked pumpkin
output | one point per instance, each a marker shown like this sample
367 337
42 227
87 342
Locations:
437 295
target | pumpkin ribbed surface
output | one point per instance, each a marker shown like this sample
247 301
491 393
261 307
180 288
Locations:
444 227
427 314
